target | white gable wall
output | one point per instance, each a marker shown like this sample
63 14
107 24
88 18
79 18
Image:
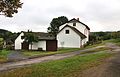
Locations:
82 28
18 42
71 40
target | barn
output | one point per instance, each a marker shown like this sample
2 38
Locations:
46 42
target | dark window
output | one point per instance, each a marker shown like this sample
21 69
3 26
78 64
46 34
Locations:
67 32
74 24
22 37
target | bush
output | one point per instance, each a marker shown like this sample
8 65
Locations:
9 47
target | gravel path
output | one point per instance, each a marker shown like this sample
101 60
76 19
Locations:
11 65
111 67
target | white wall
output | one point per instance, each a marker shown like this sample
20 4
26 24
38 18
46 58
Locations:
18 42
71 40
34 46
40 44
79 27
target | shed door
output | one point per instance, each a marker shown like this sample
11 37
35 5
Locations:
51 45
25 46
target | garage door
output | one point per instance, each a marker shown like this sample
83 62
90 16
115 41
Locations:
51 45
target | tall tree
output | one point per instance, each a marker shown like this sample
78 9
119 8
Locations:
56 23
9 7
6 38
30 38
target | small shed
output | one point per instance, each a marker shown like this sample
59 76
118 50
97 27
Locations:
46 42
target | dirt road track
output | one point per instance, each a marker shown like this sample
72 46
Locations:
111 67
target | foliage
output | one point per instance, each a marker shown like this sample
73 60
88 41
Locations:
1 43
56 23
69 67
97 37
9 7
30 37
3 55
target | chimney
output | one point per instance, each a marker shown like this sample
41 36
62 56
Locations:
78 19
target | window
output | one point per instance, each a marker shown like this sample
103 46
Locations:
67 32
22 37
74 24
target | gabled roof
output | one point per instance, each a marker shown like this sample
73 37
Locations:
42 35
75 20
74 29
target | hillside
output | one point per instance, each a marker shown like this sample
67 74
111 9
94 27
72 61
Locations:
3 31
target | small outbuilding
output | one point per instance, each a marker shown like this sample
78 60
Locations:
46 42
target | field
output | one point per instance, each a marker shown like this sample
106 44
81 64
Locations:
44 53
3 55
69 67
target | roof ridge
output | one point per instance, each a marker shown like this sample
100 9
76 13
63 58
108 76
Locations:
74 29
79 22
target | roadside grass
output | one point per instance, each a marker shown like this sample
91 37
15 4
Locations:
96 50
32 54
94 45
45 53
69 67
116 41
3 55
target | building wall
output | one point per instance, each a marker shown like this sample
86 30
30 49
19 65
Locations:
82 28
71 40
18 42
40 44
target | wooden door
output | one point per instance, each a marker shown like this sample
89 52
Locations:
51 45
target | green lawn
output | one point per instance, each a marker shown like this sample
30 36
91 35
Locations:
60 51
115 41
96 50
69 67
44 53
3 55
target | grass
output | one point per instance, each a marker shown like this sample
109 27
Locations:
94 45
96 50
116 41
69 67
3 55
44 53
32 54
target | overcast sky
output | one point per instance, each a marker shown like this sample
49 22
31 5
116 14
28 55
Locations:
35 15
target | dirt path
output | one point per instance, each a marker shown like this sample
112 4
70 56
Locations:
111 67
7 66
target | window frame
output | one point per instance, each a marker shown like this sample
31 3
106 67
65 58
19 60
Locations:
67 31
74 24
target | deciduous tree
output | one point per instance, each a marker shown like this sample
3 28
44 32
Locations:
30 38
56 23
9 7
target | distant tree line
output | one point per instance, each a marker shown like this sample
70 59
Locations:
97 37
7 39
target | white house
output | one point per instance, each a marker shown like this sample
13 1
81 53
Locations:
46 42
73 34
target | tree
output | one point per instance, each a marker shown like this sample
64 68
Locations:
1 43
9 7
55 24
6 38
30 38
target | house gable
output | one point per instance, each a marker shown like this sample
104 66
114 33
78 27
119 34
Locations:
71 40
75 30
75 21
